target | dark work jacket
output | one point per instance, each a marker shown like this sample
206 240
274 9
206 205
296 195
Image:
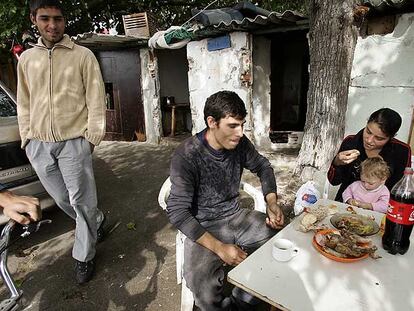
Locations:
206 182
396 153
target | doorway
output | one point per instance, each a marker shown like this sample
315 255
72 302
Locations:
289 84
121 71
174 93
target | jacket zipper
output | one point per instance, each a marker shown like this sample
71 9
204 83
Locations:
50 92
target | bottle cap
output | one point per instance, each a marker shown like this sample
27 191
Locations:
408 171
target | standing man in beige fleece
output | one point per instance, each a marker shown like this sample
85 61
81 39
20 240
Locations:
61 113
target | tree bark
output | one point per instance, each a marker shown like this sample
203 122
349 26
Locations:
332 40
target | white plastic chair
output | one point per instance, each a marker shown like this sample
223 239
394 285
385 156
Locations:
187 300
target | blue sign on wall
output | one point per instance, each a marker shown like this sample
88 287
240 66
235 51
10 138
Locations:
218 43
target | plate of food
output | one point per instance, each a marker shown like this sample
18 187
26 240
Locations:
343 245
356 223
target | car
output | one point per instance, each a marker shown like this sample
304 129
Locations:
16 173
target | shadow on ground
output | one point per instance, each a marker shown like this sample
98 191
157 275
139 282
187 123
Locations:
136 262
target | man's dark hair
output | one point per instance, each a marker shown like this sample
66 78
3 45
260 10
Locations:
224 104
41 4
388 120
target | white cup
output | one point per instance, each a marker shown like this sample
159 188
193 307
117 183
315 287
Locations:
284 250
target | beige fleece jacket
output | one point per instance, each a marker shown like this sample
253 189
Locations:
60 94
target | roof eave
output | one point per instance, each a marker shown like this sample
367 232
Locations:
98 42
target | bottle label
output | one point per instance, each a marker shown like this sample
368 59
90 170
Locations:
400 213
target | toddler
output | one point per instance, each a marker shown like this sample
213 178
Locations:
370 192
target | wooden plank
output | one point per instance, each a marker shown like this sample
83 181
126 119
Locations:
172 120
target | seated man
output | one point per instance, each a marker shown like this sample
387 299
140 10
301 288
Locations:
19 208
206 170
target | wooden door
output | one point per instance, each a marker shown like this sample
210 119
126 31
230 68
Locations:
121 71
113 108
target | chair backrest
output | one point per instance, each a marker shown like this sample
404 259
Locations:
257 195
164 193
323 185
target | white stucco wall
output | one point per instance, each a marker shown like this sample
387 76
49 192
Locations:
261 92
214 71
150 96
383 76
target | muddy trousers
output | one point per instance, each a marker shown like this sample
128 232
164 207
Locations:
65 170
204 271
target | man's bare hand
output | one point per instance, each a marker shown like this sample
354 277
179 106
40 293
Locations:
231 254
275 218
346 157
22 209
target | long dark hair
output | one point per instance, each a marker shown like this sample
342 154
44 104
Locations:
388 120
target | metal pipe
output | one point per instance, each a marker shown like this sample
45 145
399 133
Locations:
5 238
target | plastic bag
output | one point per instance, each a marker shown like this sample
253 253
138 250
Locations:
306 196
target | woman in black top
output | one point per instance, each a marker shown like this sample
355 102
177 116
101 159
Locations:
376 139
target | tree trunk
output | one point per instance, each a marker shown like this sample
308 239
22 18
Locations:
332 40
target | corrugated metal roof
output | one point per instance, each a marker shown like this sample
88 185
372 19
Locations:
391 5
97 41
288 17
273 22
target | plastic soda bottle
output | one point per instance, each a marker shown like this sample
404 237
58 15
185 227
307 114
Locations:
400 215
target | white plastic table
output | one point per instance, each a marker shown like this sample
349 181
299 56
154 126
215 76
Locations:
310 281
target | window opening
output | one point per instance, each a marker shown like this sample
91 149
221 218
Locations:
109 96
7 107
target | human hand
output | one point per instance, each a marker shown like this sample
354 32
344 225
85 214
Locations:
231 254
364 205
275 218
346 157
22 209
352 202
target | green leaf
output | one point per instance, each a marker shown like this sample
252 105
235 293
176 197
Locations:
84 15
131 226
18 283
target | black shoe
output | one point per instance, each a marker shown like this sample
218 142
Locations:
100 233
84 271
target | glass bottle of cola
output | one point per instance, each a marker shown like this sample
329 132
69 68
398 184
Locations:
400 215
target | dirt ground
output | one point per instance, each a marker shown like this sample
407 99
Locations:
136 262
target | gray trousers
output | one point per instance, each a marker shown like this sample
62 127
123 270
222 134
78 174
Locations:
65 170
203 269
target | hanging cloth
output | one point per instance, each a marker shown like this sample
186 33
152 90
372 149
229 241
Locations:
174 37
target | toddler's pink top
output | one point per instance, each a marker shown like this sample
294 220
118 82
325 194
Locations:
379 198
